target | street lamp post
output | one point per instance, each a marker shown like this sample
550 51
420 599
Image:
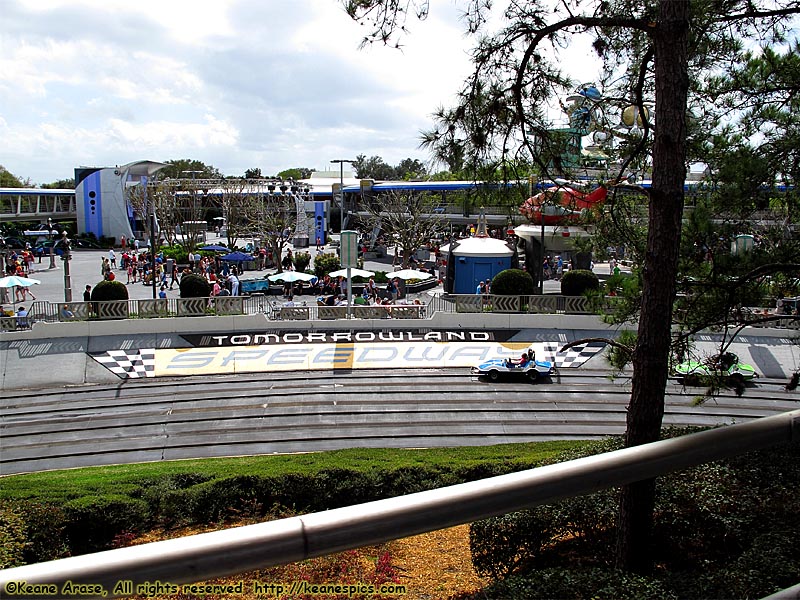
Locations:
66 257
532 183
50 234
341 162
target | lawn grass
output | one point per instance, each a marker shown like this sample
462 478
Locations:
64 485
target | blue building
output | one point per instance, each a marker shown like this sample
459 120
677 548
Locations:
476 259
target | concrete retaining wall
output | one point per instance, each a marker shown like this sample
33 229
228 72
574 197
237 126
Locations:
54 354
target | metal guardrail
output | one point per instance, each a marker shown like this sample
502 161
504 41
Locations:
792 593
52 312
536 304
241 549
274 309
306 310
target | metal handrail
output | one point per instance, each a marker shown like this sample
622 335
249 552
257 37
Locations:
305 309
308 309
241 549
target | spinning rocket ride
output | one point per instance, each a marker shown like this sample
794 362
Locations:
561 205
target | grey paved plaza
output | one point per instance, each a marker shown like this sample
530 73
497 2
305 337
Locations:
85 268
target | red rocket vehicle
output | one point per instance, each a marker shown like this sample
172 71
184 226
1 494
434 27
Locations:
560 205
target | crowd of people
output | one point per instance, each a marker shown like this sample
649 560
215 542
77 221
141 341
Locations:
332 291
140 267
20 263
553 268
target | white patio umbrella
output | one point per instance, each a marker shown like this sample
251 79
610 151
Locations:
17 281
291 276
409 274
353 273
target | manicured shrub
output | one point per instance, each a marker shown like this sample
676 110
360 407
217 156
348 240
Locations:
44 528
343 487
575 283
167 497
220 499
500 544
12 536
301 260
325 263
109 290
513 282
194 286
598 584
92 522
746 507
178 253
407 480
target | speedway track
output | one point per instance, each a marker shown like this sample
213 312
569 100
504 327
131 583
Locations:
169 419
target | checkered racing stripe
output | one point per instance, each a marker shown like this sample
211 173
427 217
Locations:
574 357
129 364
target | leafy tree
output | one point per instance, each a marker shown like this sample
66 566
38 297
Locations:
410 169
270 216
296 174
61 184
655 53
187 168
407 219
445 176
7 179
252 173
237 197
373 168
178 203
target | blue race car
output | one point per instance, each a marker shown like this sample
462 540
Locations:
532 369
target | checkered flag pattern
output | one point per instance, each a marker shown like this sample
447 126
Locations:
129 364
574 357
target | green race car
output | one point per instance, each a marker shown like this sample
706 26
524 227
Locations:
726 366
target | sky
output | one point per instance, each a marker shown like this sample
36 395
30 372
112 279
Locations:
236 84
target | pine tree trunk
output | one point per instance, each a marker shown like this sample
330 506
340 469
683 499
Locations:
650 358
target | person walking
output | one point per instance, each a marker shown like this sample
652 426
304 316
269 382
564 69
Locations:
234 281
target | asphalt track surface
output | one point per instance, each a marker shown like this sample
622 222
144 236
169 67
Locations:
191 418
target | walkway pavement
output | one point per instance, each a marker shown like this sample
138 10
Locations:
85 269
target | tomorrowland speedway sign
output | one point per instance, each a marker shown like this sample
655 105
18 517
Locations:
280 351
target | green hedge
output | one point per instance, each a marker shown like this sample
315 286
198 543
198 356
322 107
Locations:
325 263
194 286
576 283
109 290
96 521
747 509
513 282
13 538
91 523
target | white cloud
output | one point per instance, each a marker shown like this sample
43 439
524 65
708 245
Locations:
233 83
155 135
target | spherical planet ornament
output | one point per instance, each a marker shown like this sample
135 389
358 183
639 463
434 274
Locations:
631 116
